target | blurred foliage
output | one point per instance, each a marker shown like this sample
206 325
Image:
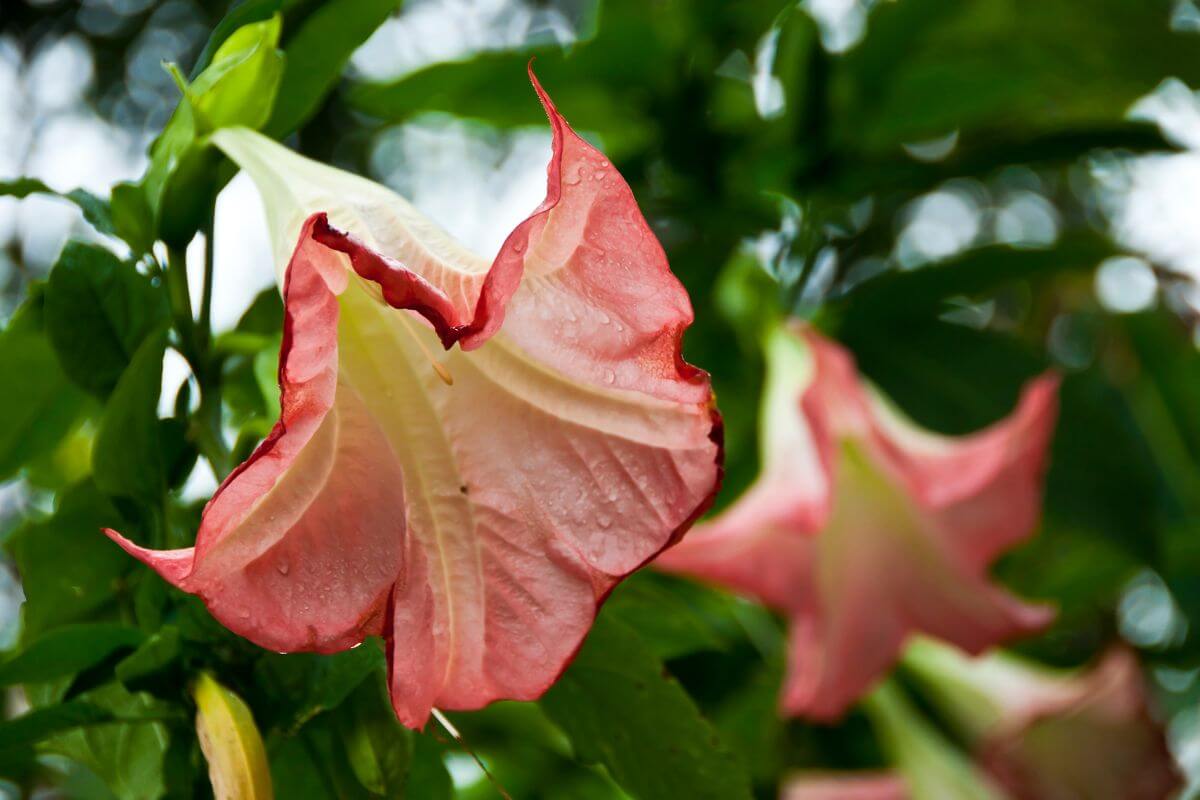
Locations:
782 179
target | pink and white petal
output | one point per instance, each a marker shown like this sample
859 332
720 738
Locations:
298 549
845 786
742 552
582 283
986 486
1085 735
878 578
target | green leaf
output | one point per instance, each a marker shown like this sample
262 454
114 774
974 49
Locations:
673 617
98 310
132 217
60 589
127 753
128 458
65 651
427 776
615 71
39 724
378 747
317 53
619 708
157 653
928 68
924 290
95 210
39 405
304 685
237 88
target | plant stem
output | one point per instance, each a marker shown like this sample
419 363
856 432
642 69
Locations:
205 331
195 340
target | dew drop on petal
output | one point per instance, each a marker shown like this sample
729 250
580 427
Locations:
609 376
283 568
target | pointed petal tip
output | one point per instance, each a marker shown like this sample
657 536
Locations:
173 565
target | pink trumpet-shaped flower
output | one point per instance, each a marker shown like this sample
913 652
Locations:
1046 734
863 528
474 509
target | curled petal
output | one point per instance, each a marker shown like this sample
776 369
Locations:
864 529
475 507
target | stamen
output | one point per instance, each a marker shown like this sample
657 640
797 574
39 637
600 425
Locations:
453 731
438 367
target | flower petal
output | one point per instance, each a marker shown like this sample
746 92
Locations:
848 786
477 509
863 529
1045 732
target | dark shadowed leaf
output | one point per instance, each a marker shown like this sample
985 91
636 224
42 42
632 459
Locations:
58 589
929 68
39 405
99 310
67 650
128 459
317 53
620 708
303 685
378 747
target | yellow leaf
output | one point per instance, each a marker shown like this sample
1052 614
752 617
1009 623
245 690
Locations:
232 745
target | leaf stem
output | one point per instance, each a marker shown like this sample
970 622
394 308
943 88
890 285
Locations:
195 345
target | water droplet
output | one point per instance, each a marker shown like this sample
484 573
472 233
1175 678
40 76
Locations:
283 568
609 376
604 318
356 646
604 521
519 246
244 613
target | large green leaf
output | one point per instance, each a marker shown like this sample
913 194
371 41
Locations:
128 459
613 74
317 53
67 650
34 726
620 708
672 616
94 209
929 67
127 755
70 569
39 405
302 685
923 291
378 747
98 311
